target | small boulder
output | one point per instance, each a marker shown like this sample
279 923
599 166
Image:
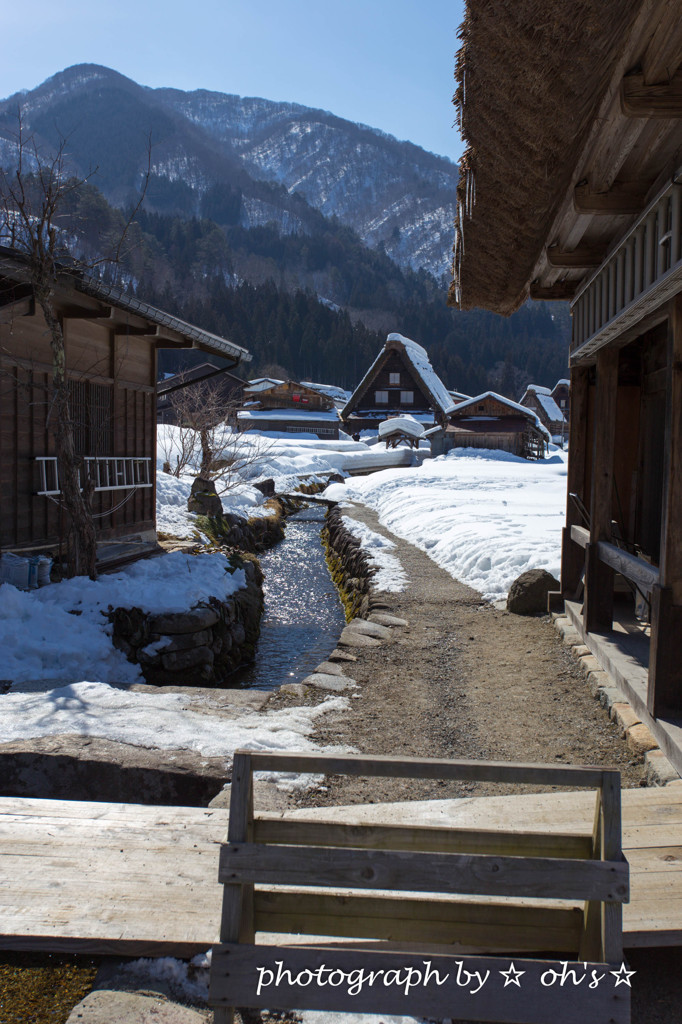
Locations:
203 500
266 487
528 593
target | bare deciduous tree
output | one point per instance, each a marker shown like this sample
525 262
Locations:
205 436
33 198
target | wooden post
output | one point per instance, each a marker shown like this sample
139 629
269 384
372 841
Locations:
598 608
611 827
665 665
572 556
237 921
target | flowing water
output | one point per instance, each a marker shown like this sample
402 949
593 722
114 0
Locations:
303 615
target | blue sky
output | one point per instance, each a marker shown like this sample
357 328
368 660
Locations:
386 63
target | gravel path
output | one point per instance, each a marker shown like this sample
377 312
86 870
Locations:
465 679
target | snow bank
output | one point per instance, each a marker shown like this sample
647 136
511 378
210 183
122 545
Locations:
60 633
391 575
484 516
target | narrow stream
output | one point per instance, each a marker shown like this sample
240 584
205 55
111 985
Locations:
303 615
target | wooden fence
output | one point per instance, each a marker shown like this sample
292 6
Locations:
406 950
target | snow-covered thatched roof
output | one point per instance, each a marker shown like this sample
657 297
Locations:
418 360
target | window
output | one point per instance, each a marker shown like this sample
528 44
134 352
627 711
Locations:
394 378
562 402
91 411
381 397
407 397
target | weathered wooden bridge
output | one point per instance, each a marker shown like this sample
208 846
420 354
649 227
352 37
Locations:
140 880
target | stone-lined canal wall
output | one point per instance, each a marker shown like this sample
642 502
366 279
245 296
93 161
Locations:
199 647
349 565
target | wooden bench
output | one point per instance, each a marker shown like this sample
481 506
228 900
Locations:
428 953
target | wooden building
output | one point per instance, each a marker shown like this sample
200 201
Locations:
491 421
400 380
591 211
289 407
540 400
227 390
111 343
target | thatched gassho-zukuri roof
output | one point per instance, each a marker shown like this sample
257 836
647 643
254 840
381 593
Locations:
530 79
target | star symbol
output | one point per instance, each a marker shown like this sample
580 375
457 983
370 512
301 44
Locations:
512 976
623 976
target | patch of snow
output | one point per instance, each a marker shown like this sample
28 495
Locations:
162 721
390 574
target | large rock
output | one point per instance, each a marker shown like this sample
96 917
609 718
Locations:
528 593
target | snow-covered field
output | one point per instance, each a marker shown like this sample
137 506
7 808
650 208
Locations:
484 516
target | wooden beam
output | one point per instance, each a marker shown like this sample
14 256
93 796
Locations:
598 609
581 258
430 768
562 291
620 200
555 878
662 100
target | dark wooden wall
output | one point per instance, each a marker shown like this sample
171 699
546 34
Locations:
123 368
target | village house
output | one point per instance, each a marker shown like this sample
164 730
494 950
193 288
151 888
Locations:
540 400
400 380
491 421
562 396
111 341
286 406
591 212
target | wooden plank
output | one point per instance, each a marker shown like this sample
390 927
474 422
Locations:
443 840
554 878
636 569
255 976
572 561
580 535
490 927
434 768
663 99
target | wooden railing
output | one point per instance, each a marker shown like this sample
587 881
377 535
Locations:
640 274
317 875
638 571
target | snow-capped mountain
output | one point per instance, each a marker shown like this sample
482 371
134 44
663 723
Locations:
253 161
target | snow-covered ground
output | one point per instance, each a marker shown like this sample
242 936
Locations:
60 634
484 516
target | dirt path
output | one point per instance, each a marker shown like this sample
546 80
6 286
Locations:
465 679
